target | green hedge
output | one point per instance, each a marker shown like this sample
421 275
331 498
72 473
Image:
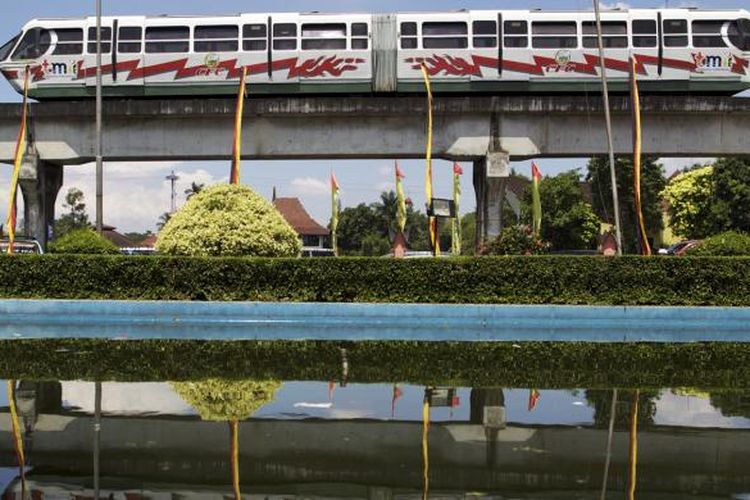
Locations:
543 365
520 280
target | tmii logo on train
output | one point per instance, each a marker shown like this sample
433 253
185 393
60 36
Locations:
705 62
59 69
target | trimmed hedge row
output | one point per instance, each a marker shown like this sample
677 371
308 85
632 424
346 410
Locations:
544 365
500 280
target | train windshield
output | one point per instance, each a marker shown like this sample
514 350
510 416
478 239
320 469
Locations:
34 43
739 34
7 47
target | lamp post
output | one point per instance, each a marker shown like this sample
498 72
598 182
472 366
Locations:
173 179
608 121
98 133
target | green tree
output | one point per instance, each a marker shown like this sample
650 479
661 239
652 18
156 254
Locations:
732 195
652 184
691 198
76 216
568 221
356 223
374 245
228 220
385 210
83 241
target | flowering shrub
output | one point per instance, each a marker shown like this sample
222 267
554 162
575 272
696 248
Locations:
516 240
228 220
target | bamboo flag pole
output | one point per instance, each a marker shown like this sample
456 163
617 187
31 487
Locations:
17 159
234 176
434 239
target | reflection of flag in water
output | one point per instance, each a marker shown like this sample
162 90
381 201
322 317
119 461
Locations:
18 157
16 434
637 139
234 176
533 399
401 199
397 393
432 221
633 448
331 388
334 213
536 200
425 449
456 221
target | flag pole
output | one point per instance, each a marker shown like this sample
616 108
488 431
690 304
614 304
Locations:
608 120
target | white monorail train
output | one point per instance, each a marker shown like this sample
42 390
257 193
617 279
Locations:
676 50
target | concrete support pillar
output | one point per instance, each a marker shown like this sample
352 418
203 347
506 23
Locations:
40 183
490 176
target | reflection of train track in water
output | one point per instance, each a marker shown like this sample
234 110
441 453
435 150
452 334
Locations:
675 50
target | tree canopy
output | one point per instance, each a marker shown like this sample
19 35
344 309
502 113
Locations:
226 400
75 217
690 197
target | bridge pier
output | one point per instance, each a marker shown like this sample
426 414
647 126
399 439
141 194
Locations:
490 176
40 183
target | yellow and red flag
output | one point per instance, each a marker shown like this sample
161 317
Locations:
400 198
334 213
456 221
533 399
536 200
434 240
234 176
637 148
17 159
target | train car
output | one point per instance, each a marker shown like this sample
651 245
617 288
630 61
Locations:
530 51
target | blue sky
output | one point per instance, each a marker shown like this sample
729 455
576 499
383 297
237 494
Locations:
136 194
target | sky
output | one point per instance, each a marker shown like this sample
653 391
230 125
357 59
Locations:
136 194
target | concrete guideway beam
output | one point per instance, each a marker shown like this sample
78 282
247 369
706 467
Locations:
466 127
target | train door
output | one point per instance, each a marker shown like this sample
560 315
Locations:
517 62
646 44
129 56
109 75
256 48
334 49
486 53
440 42
285 49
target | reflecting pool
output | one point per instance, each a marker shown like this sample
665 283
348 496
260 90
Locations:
226 438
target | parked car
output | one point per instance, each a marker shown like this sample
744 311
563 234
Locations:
22 246
681 248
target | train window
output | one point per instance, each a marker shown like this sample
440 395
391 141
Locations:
408 35
164 39
708 34
360 36
485 34
286 30
554 35
7 47
516 34
644 33
219 38
285 36
91 46
254 37
34 43
739 34
324 36
129 39
443 35
614 34
70 42
359 29
675 33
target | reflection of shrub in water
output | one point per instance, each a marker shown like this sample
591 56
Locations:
227 400
601 401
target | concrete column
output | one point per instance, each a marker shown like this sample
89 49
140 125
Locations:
490 176
40 183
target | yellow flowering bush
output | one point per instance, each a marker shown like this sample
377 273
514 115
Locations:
228 220
222 400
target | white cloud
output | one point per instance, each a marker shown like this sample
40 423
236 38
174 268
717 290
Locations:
671 165
310 186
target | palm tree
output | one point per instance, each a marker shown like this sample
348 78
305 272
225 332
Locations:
163 219
193 190
385 211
